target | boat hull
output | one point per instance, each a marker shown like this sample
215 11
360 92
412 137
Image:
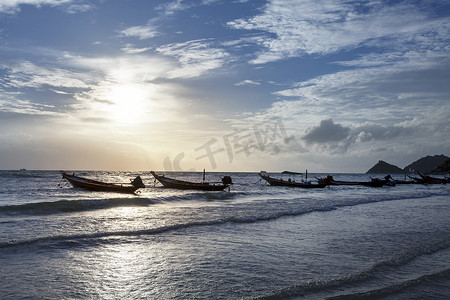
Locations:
374 183
187 185
98 186
280 182
363 183
431 180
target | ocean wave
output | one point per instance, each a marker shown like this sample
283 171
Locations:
71 206
77 205
389 197
163 229
325 286
44 208
67 206
394 288
201 196
26 174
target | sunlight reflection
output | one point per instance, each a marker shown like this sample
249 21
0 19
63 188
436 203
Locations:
117 270
121 264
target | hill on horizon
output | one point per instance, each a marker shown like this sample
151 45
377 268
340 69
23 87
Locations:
383 167
426 165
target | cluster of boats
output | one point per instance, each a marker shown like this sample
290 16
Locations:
134 185
226 181
329 180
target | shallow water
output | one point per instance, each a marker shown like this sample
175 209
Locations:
254 242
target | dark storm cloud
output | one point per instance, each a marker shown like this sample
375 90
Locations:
327 131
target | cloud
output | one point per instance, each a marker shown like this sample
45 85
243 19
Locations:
400 105
13 6
127 90
130 49
28 88
84 85
77 8
296 28
170 8
371 132
136 68
247 82
430 131
28 74
18 106
141 32
387 93
195 57
327 131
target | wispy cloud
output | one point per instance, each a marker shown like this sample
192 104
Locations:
195 57
247 82
326 26
142 32
125 92
173 6
131 49
348 79
372 89
137 68
80 84
384 100
368 110
13 104
12 6
28 74
79 8
170 8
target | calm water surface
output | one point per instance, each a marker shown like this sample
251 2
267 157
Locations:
254 242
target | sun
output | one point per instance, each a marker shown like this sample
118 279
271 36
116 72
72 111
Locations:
128 103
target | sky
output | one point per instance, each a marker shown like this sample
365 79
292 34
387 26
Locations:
223 85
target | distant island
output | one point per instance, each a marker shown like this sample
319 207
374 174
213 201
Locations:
437 164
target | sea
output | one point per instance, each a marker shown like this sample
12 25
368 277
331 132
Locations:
252 242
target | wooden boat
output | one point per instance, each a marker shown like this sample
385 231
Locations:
289 182
400 181
94 185
425 179
375 182
187 185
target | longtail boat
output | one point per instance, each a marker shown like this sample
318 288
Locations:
94 185
426 179
374 182
399 181
289 182
188 185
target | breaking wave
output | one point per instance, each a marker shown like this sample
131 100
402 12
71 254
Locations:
65 206
71 206
394 288
338 285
